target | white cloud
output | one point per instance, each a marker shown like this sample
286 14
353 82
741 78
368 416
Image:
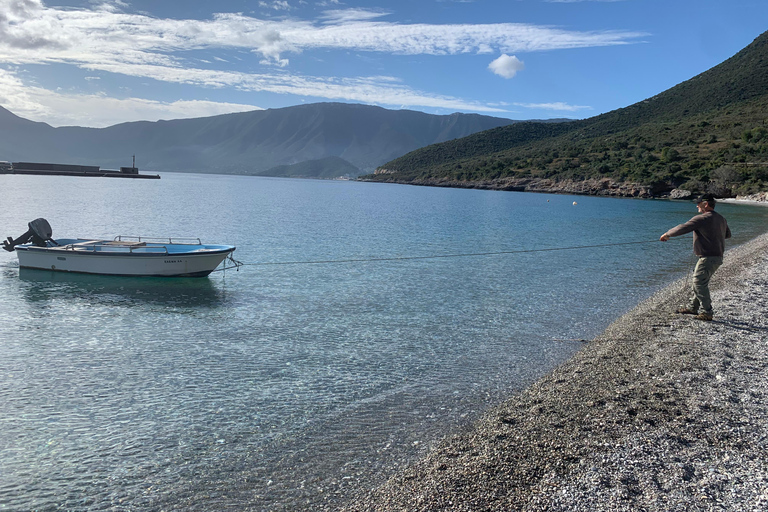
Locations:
94 110
426 39
114 6
33 32
110 39
506 66
558 106
277 5
58 108
325 3
351 15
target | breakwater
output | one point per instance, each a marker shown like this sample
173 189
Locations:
47 169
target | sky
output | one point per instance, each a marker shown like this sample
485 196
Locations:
97 63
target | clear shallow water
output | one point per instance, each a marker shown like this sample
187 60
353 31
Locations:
280 387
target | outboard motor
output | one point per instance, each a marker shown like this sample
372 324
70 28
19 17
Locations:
39 233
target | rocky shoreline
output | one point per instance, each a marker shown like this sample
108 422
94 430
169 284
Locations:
591 187
659 412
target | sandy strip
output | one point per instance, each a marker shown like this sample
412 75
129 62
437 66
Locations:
660 412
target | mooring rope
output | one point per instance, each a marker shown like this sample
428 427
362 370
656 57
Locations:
230 262
238 264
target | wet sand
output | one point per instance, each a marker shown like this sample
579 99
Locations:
660 412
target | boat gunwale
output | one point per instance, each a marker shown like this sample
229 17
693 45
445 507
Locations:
73 249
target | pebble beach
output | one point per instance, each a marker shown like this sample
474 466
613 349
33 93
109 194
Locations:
660 412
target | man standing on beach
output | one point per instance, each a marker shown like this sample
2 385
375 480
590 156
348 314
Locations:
710 230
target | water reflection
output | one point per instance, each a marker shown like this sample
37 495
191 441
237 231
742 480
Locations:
46 285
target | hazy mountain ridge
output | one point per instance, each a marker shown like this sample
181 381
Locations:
709 133
328 167
244 143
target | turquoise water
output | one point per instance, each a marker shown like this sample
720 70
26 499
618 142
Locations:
282 387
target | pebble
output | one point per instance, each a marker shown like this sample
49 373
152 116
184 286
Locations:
659 412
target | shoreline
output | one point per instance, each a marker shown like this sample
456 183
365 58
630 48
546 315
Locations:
599 187
736 200
659 412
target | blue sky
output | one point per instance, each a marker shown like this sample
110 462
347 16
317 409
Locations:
99 63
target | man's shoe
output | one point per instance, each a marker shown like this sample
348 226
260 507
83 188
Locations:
707 317
687 311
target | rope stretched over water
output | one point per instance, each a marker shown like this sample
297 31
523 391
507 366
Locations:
231 262
438 256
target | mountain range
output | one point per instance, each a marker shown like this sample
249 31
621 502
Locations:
313 140
707 134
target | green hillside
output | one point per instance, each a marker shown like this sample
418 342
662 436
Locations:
709 133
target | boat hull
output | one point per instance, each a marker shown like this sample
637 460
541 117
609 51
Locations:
193 262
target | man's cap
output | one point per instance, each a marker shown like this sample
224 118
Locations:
705 197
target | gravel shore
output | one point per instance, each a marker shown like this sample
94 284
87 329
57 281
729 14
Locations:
659 412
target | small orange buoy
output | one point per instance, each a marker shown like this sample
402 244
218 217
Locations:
575 203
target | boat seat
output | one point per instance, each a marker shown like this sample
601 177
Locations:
120 243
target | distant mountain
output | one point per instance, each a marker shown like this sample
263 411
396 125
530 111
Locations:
338 139
709 133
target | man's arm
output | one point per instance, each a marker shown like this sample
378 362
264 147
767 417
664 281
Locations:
680 229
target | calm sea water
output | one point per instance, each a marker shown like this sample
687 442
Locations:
282 387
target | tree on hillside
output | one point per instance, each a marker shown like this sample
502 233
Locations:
722 181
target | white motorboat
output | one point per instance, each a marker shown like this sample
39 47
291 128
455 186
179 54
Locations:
123 256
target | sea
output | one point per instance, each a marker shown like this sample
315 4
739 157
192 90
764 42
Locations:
367 322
